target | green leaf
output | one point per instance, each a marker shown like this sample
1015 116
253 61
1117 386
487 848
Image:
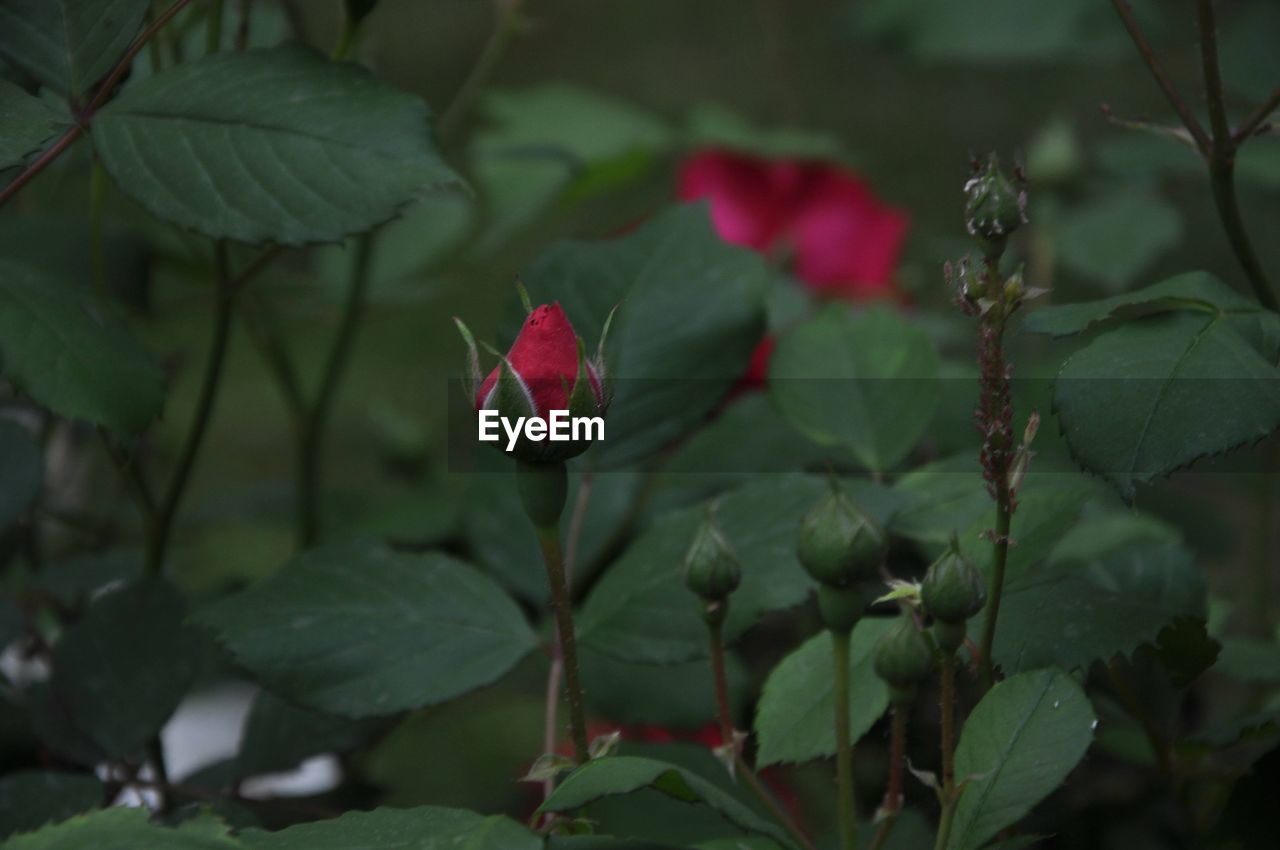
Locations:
358 630
279 736
793 719
864 383
692 310
68 45
126 829
1110 584
68 350
1017 746
30 799
1116 237
122 670
641 610
21 470
588 127
274 144
422 828
26 122
1161 392
608 777
1196 291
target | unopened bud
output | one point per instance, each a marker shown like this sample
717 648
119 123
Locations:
903 657
994 207
839 544
711 568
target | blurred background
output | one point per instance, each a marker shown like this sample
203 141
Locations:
597 115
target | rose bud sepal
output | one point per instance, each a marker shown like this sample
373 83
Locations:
473 357
903 657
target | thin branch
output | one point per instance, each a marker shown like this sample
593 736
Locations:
1203 142
77 129
168 508
45 158
117 73
504 28
1256 122
1222 145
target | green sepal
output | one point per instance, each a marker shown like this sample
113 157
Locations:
511 397
582 398
601 372
473 355
524 296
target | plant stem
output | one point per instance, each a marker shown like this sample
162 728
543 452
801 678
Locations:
720 678
313 428
1166 85
155 754
167 509
1222 161
846 803
996 419
728 738
504 28
1255 121
892 804
562 608
995 586
213 27
104 91
766 798
948 746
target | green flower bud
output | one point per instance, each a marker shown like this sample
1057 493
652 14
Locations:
994 206
952 590
838 543
711 568
903 657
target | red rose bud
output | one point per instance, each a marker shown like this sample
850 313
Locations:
548 399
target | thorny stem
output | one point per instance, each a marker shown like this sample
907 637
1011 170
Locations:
728 738
995 419
948 746
104 91
168 507
562 607
846 803
555 673
892 804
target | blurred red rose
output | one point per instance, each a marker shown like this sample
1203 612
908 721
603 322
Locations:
842 241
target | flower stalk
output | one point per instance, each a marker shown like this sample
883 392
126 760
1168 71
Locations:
846 801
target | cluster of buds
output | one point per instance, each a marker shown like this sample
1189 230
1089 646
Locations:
842 549
951 593
711 569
